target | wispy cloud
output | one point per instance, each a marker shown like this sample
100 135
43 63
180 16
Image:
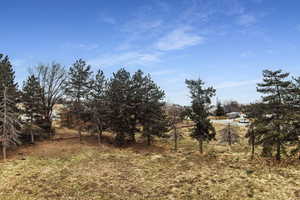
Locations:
247 54
246 20
80 46
162 72
109 20
231 84
138 31
105 18
139 25
126 58
178 39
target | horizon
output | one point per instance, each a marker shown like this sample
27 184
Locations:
225 43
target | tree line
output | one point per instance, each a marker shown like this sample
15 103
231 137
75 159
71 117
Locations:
128 105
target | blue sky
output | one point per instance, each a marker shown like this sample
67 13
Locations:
227 43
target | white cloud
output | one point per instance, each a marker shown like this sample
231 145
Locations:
271 51
246 20
162 72
126 58
103 17
231 84
247 54
109 20
140 25
87 47
178 39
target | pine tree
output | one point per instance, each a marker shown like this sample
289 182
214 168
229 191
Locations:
33 102
274 127
201 99
7 76
256 112
8 104
98 103
119 96
78 88
152 117
220 109
294 105
9 123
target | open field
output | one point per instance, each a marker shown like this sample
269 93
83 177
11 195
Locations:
67 169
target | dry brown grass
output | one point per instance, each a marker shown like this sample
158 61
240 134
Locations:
67 169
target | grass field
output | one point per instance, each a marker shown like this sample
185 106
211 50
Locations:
67 169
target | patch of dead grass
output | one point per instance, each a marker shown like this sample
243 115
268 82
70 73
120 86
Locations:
67 169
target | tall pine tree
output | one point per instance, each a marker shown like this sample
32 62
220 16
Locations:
273 129
119 96
78 88
7 77
151 113
201 100
9 122
8 105
33 103
98 104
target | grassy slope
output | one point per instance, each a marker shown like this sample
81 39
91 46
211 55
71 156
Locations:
69 170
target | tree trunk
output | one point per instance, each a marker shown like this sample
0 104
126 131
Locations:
229 135
99 138
4 151
32 137
200 146
48 126
79 133
253 145
149 140
132 139
100 134
278 150
31 132
175 139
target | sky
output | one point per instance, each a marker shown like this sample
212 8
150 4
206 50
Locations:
226 43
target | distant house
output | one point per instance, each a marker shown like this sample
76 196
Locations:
233 115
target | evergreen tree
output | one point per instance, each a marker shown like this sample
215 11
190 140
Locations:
98 103
33 102
201 100
119 96
8 104
152 116
7 77
9 123
220 109
273 129
78 88
256 112
294 106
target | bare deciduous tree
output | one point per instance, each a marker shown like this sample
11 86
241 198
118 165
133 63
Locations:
174 115
52 78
